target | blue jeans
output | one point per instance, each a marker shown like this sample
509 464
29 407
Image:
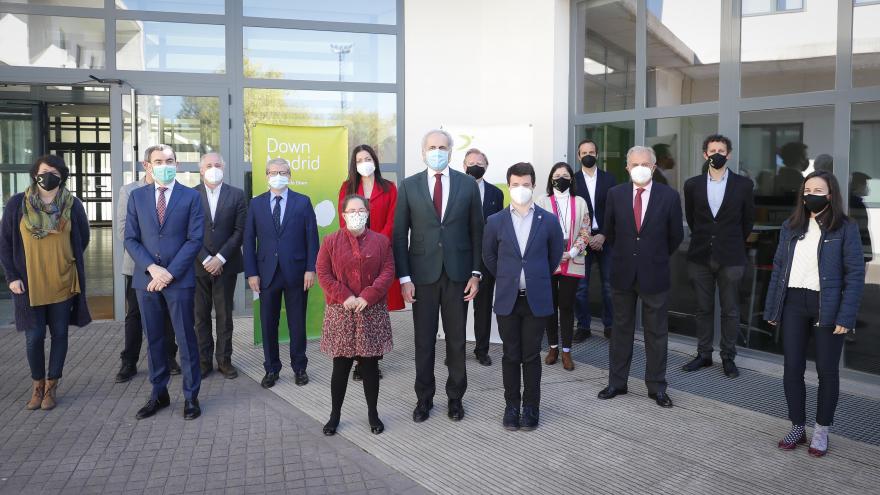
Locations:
57 317
582 307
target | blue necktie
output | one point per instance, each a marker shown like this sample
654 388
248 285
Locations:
276 213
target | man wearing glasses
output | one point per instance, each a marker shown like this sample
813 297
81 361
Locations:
280 250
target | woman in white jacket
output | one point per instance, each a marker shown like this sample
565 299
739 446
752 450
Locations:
574 218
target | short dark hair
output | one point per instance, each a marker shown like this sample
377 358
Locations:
585 141
53 161
521 169
717 138
350 197
572 189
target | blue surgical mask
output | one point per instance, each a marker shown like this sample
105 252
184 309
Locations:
164 174
437 159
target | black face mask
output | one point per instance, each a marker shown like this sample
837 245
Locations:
717 160
48 181
475 171
588 161
815 203
562 183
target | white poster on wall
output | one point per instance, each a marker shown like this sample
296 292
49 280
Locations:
503 145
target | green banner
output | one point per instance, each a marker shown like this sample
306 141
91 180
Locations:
318 159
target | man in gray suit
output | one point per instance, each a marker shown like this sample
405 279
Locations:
437 242
134 333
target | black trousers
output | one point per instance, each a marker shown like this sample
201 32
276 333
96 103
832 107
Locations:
704 278
521 334
483 314
134 330
656 327
445 299
564 295
800 312
216 293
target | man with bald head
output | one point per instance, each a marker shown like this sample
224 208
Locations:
644 224
437 241
218 264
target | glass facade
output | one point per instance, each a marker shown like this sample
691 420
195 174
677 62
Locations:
716 75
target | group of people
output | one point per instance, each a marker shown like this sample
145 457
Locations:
440 241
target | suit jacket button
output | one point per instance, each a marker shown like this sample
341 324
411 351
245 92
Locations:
440 243
276 255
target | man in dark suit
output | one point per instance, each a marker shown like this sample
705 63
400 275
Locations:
280 250
643 222
163 234
475 164
593 185
720 210
218 264
438 229
522 247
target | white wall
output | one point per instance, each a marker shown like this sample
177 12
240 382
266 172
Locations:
488 62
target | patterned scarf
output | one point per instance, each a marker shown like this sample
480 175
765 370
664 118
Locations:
43 219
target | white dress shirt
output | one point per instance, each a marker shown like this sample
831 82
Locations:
283 195
522 226
645 197
481 185
167 193
444 180
213 198
591 188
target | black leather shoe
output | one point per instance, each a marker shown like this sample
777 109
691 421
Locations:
376 426
456 410
331 425
206 369
697 363
610 392
484 359
422 411
607 332
511 418
581 334
154 405
529 420
191 409
269 380
228 370
661 398
173 366
126 372
730 369
356 374
301 377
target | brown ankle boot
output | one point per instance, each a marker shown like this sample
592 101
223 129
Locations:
567 363
49 395
552 356
37 395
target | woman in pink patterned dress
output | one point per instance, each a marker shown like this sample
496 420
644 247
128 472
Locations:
355 269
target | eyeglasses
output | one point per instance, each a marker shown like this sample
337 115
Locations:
362 210
170 161
276 173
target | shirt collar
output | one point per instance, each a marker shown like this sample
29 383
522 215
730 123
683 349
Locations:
432 172
723 177
283 194
169 186
646 188
513 209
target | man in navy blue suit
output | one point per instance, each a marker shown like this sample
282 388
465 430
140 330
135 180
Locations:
163 234
643 222
280 250
522 246
475 164
593 184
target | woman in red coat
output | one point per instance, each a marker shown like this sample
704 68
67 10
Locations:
355 268
365 179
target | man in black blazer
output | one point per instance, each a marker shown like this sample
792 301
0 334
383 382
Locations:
218 264
475 163
643 222
720 211
593 185
437 242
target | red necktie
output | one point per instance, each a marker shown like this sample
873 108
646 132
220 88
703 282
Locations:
438 195
160 205
637 208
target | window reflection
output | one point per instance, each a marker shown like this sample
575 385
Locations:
609 61
866 44
372 12
49 41
790 51
170 46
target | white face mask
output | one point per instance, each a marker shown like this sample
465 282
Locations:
640 175
520 195
214 175
356 221
278 181
366 169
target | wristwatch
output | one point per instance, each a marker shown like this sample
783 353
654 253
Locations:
478 275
